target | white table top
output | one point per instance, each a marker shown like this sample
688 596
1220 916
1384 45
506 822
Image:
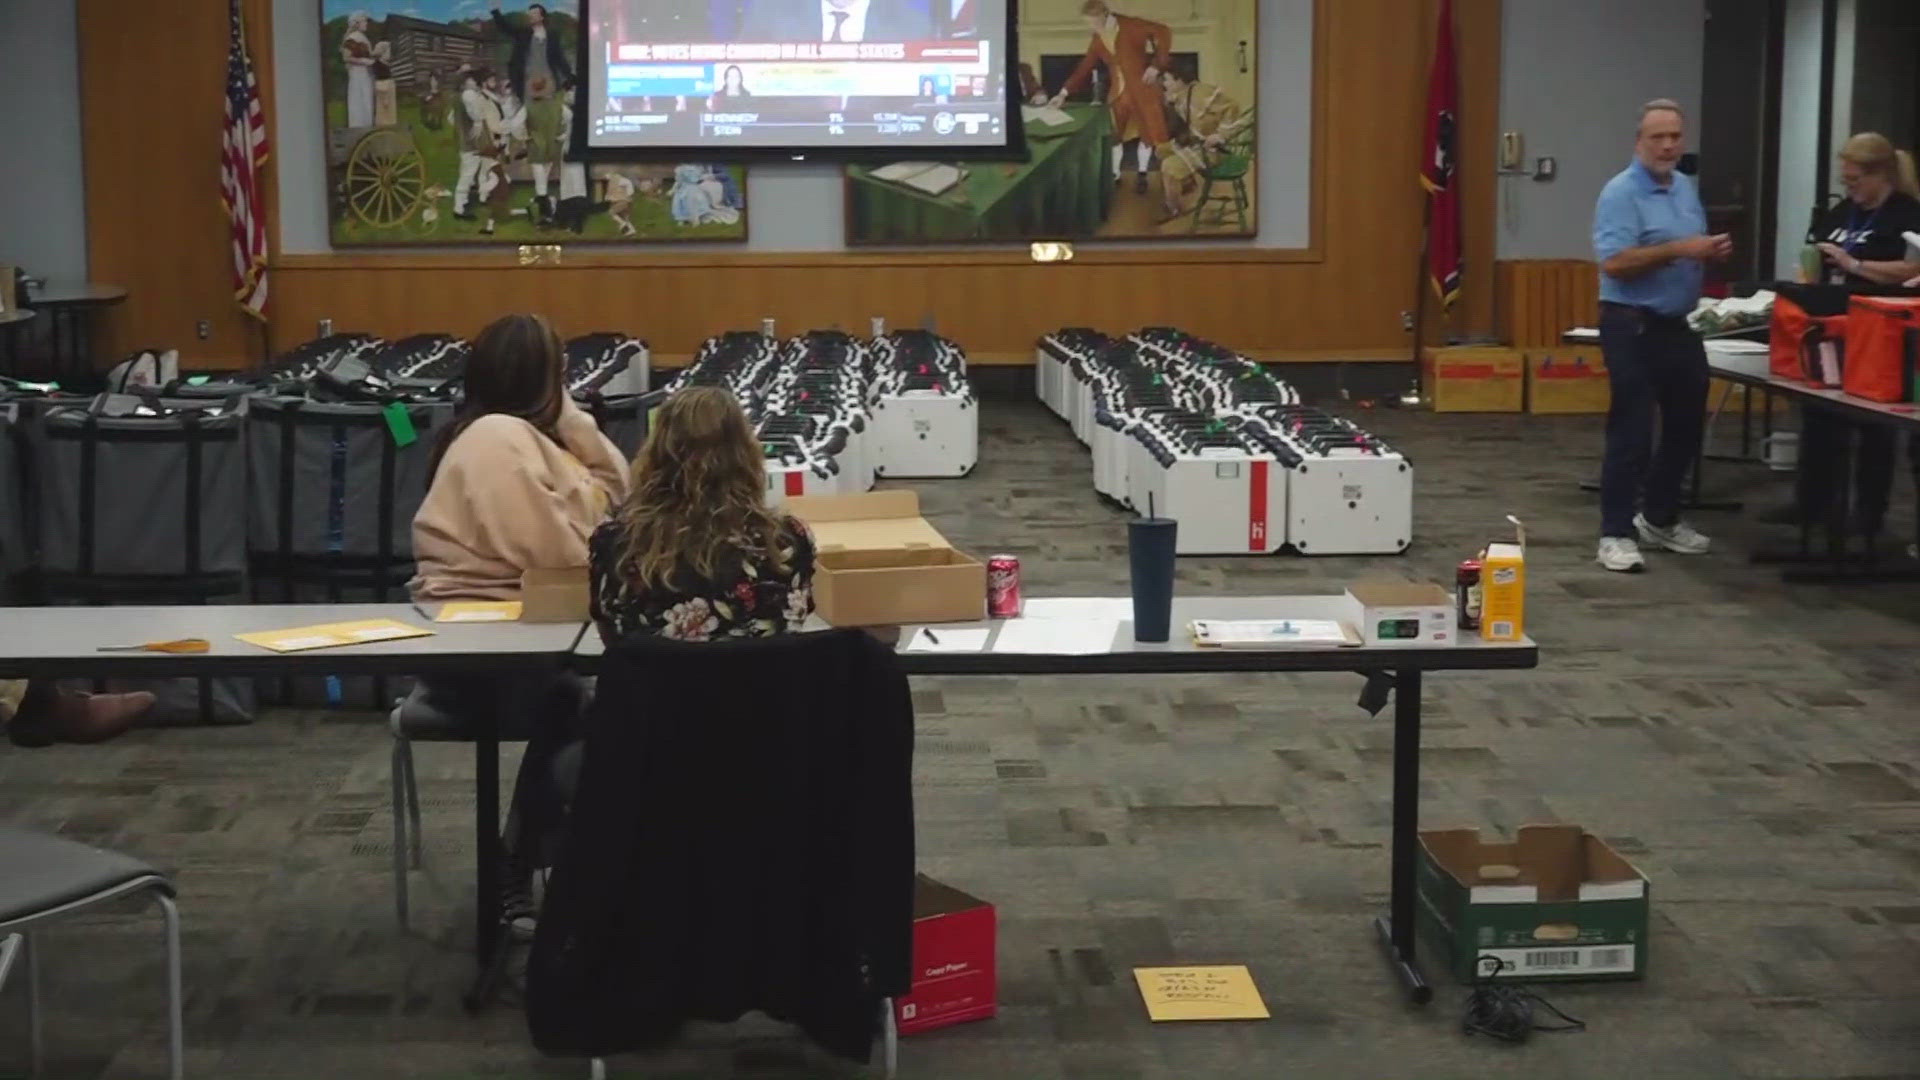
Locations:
65 641
1896 413
69 293
1127 656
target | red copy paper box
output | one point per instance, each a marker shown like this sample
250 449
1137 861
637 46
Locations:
953 960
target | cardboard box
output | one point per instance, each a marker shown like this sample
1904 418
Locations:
1567 380
555 596
1402 613
881 564
1475 379
1503 588
954 978
1556 904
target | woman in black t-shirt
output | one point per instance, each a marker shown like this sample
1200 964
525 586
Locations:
1862 239
1862 244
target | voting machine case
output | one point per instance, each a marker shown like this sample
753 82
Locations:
328 480
1228 500
926 420
608 364
1348 493
145 489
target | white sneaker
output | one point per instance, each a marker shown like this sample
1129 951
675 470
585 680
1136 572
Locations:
1679 537
1620 555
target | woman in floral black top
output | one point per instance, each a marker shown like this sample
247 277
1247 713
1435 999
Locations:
694 554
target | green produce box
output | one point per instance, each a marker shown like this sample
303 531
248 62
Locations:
1557 905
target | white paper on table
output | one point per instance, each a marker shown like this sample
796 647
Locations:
1584 333
901 170
1057 637
937 180
1118 609
949 640
1044 114
479 616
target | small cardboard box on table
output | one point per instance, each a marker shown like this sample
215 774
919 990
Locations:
880 563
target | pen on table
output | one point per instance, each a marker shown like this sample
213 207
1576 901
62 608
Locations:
418 610
930 638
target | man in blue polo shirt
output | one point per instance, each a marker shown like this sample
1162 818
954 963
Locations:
1649 239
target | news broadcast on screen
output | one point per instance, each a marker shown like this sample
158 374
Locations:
803 76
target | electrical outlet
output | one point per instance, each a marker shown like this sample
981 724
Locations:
326 328
204 328
1546 168
1406 321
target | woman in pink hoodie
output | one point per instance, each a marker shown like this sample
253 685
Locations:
520 480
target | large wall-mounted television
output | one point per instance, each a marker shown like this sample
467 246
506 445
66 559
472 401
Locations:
819 79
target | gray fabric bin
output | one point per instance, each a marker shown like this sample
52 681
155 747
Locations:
141 496
326 479
330 691
13 508
623 419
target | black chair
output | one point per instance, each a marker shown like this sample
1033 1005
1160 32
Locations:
44 879
740 838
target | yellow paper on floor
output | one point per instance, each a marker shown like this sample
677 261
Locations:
333 635
479 611
1200 993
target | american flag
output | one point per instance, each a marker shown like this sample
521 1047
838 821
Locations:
243 157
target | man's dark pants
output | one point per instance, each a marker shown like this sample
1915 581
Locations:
1654 363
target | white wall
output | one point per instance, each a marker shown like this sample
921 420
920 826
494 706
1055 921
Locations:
802 208
1800 121
1573 74
43 214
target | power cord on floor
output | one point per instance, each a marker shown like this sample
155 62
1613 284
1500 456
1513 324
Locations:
1506 1013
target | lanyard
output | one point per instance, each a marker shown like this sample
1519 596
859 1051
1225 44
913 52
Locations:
1855 229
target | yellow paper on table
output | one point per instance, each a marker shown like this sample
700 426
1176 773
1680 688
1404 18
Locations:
1200 993
479 611
333 635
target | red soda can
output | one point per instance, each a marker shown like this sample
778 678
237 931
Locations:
1003 587
1467 594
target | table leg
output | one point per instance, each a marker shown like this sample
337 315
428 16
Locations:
1397 929
77 339
487 938
1838 565
1746 421
55 360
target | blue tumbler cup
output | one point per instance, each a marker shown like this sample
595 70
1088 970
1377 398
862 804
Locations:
1150 553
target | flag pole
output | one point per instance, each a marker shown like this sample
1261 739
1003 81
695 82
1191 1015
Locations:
1417 397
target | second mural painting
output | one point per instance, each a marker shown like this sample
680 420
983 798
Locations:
1140 125
448 121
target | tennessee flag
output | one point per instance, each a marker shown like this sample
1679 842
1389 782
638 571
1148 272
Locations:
1445 259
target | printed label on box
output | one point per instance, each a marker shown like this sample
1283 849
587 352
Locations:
1586 960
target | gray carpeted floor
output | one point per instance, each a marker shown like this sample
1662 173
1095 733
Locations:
1754 747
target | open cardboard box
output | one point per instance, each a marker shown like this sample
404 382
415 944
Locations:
880 563
1556 903
954 976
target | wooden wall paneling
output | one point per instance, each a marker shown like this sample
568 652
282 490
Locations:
1540 299
151 139
1342 296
